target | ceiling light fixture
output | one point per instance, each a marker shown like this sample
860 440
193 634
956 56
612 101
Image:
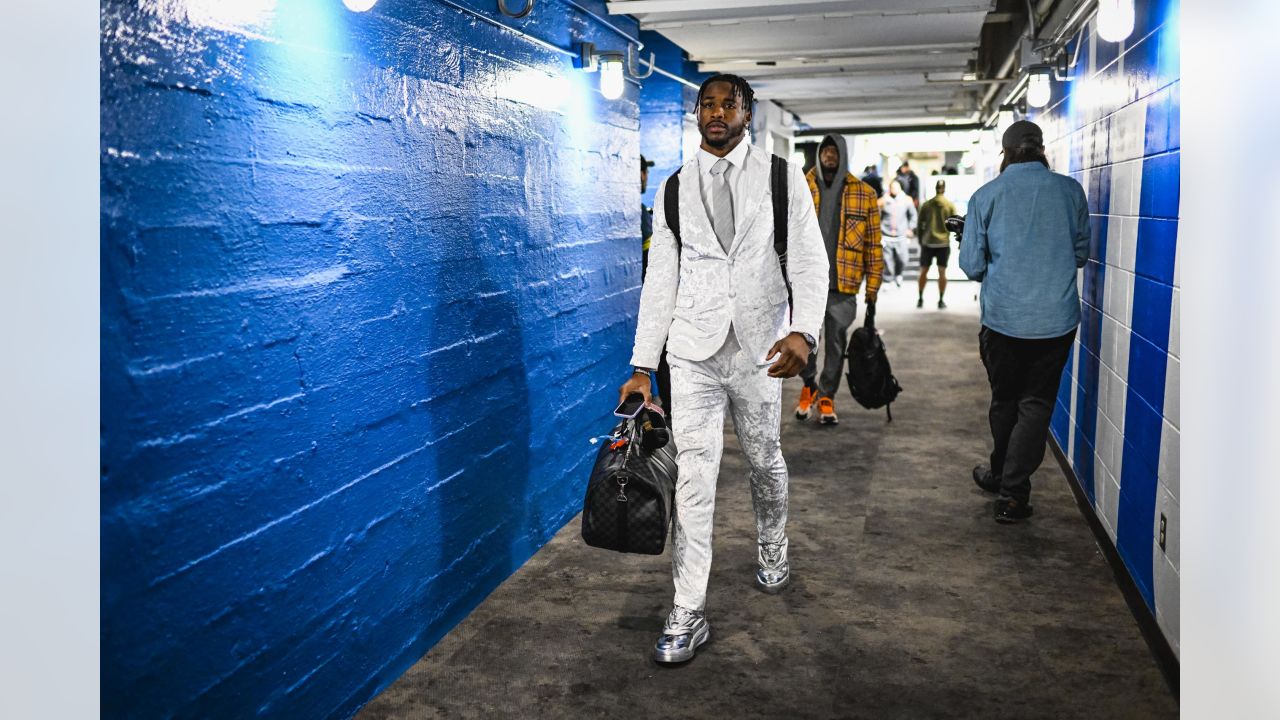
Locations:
1115 19
1039 89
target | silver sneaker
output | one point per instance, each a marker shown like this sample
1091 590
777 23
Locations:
774 572
686 630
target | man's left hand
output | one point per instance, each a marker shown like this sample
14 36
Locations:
794 355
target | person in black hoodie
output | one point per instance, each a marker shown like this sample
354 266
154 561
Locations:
910 182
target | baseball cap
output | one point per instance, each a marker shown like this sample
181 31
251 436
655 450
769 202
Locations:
1023 133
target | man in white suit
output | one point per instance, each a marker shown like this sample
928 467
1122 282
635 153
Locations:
720 306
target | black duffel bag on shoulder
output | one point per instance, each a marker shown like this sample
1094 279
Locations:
631 494
871 380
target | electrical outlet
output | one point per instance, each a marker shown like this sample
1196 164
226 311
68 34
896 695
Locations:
1163 523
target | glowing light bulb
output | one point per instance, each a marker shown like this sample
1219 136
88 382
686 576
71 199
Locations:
1003 121
359 5
1115 19
611 80
1038 88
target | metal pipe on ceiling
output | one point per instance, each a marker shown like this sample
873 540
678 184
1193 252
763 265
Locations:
880 130
1074 21
1007 66
961 81
666 74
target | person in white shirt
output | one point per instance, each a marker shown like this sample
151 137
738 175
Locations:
720 304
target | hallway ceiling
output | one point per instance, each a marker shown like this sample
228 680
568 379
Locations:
844 64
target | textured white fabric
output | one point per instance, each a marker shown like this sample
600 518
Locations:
689 303
721 204
701 393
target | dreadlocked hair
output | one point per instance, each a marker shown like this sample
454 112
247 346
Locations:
740 85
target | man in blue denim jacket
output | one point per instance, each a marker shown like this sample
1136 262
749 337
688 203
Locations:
1026 234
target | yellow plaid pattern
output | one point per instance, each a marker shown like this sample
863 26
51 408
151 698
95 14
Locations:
858 253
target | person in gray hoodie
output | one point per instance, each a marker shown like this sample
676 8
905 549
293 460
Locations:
849 219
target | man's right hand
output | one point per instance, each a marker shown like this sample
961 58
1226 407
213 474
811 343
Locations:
639 383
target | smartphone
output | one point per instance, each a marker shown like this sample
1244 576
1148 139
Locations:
630 406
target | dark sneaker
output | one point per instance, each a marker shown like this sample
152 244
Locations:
942 304
982 476
920 303
683 633
1010 511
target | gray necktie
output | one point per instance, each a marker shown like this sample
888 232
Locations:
722 204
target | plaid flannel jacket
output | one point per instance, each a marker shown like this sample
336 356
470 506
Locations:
858 254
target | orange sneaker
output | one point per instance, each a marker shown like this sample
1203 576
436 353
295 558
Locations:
807 397
827 411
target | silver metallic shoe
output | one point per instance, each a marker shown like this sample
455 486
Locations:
774 572
684 632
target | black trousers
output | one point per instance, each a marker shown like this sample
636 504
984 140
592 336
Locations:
1024 376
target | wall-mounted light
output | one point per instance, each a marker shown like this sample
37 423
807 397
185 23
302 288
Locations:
608 64
611 80
1038 87
1115 19
359 5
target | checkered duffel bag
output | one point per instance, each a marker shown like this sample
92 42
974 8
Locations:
631 494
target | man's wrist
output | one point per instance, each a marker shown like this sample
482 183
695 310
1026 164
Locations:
637 370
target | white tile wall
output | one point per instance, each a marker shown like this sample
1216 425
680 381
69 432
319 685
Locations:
1128 136
1122 351
1116 396
1114 228
1166 580
1128 243
1125 178
1177 262
1170 461
1172 391
1111 505
1107 351
1168 505
1175 321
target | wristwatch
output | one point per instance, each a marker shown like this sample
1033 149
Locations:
813 342
642 371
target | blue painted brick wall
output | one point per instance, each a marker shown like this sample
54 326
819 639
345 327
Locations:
368 283
1116 129
663 105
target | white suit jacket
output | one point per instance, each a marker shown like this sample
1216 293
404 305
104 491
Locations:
688 303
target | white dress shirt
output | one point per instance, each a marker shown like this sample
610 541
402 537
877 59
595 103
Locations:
733 175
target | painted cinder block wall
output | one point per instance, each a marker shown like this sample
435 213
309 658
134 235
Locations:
1116 129
663 105
368 284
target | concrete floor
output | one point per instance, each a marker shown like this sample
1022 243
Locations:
907 600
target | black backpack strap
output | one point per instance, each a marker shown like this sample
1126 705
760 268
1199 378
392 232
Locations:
778 188
671 206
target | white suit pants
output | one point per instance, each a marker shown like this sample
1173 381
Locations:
701 392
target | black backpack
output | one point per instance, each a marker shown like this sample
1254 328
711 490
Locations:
871 380
777 187
631 494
